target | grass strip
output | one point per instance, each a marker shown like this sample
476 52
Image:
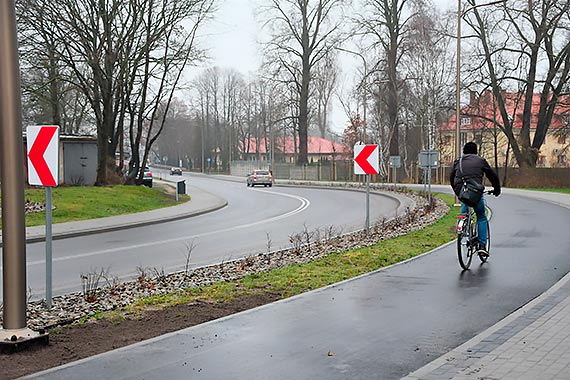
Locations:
564 190
300 278
74 203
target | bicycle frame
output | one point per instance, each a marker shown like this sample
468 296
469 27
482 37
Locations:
468 237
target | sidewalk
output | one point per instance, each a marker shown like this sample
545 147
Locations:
201 202
532 343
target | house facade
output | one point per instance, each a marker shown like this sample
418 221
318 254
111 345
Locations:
480 122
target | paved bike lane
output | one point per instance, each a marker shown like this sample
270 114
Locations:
531 343
371 327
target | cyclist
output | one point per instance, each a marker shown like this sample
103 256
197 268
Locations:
475 166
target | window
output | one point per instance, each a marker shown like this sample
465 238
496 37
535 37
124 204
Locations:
562 139
465 121
541 162
447 140
561 159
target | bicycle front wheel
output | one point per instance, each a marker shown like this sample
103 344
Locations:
463 250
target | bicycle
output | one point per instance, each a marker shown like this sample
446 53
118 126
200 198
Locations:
468 237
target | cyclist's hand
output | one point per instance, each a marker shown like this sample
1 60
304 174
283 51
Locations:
497 192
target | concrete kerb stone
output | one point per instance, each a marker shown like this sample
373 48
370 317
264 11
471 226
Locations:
404 202
459 352
201 203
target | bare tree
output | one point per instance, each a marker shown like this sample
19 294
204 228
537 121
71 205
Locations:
428 93
325 83
529 36
48 94
166 48
303 33
126 57
385 23
179 143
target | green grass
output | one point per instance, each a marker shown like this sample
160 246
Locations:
565 190
73 203
296 279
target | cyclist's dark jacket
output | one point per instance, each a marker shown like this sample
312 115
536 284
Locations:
474 166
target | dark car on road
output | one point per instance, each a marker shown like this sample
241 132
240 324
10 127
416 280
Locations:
175 171
147 177
260 177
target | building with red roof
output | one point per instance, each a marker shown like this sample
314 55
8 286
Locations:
478 125
287 149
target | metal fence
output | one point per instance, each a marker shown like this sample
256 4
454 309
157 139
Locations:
321 171
344 171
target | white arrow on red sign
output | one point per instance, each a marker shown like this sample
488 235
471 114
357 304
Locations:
43 155
366 159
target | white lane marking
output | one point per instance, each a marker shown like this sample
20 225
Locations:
305 203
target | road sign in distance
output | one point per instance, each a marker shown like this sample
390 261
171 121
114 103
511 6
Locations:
395 161
428 159
366 159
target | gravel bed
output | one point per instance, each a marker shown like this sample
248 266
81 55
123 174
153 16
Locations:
305 246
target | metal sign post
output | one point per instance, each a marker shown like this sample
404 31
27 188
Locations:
367 223
395 163
48 248
366 161
427 160
43 170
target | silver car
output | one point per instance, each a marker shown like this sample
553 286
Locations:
260 177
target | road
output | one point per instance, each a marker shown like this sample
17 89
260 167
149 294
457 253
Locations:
254 221
383 325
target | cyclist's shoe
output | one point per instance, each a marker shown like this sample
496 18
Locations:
482 251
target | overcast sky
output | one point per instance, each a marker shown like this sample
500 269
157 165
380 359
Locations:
232 41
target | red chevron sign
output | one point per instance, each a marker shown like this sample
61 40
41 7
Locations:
366 159
43 155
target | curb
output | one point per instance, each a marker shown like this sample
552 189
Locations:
122 222
459 352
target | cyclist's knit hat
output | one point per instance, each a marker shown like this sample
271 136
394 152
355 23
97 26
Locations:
470 148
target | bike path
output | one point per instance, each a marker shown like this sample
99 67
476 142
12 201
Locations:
531 343
383 325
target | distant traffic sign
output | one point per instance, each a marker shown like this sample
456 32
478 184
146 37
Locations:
366 159
428 159
395 161
43 155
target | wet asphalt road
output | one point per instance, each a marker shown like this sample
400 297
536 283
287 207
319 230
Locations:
380 326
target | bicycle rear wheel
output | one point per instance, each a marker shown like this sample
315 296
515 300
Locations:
464 249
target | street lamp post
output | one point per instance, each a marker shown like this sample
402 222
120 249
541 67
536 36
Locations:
458 84
14 333
460 15
364 88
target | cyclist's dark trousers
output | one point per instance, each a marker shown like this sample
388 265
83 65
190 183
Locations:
481 219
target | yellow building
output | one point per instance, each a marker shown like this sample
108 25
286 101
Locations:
477 125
